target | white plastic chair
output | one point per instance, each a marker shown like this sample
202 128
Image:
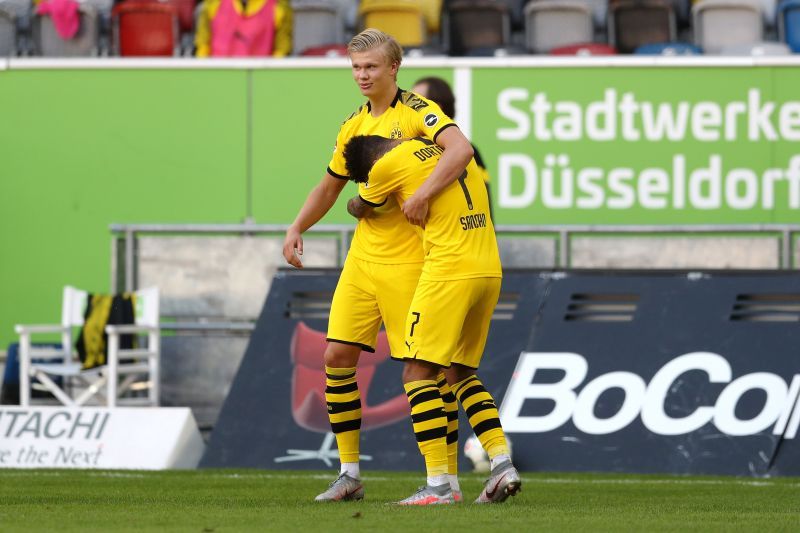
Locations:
315 23
721 23
104 384
553 23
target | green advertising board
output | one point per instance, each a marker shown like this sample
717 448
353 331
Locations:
641 145
92 143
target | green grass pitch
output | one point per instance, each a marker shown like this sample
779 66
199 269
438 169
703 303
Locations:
255 500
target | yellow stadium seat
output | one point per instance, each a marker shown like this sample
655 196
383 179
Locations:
402 19
432 10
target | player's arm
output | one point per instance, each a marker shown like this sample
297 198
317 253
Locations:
456 157
317 204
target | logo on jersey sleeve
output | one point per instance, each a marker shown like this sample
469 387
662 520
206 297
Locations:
431 119
413 101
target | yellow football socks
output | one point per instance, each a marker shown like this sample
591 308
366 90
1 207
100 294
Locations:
430 424
451 411
344 410
483 416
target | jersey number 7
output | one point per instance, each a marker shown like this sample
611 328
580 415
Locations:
463 181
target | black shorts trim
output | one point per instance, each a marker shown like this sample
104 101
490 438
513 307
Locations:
373 204
364 347
339 176
442 129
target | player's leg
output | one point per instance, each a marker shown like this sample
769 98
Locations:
451 410
396 286
352 327
477 402
429 422
433 327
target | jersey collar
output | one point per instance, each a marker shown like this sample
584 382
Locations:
393 104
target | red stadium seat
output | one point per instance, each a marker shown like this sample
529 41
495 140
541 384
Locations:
584 49
185 13
326 50
185 10
145 28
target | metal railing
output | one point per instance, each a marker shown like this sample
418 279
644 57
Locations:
126 235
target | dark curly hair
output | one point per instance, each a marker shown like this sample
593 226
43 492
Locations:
360 154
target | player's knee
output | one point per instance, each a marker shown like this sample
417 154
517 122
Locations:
458 373
338 355
417 370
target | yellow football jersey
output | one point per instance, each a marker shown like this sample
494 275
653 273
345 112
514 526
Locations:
458 240
387 237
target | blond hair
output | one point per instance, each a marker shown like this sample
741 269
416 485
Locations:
371 38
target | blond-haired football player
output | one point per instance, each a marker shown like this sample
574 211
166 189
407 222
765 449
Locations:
449 317
385 257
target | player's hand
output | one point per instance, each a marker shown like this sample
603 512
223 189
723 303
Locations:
293 248
416 210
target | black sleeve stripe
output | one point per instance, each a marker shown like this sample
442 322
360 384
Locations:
477 156
372 203
337 176
442 129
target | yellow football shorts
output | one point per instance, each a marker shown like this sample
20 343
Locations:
366 295
448 321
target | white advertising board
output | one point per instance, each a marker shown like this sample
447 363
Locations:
119 438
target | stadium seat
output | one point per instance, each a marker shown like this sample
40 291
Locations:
8 32
185 10
555 23
757 49
668 49
403 19
599 13
769 12
309 407
516 12
632 23
721 23
22 10
584 49
476 27
144 28
348 13
186 20
432 11
315 23
47 42
326 50
789 24
104 384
